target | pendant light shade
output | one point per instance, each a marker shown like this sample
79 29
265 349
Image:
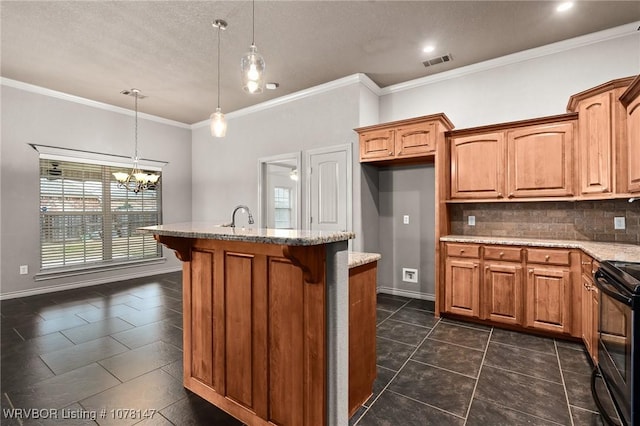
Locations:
252 63
218 122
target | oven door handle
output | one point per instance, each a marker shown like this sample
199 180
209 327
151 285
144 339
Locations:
610 289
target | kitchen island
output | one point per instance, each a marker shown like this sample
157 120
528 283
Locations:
266 319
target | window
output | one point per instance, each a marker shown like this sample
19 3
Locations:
86 220
282 204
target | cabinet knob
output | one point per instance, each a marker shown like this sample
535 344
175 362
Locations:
501 253
486 268
511 195
547 257
531 271
390 152
475 265
500 195
461 251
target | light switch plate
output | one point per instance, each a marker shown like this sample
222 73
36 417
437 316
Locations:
471 221
24 269
619 223
405 219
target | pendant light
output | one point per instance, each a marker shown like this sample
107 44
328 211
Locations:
218 122
137 180
252 64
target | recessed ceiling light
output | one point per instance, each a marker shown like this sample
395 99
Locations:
272 86
563 7
428 49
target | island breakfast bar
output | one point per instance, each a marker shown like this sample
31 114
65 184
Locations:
266 318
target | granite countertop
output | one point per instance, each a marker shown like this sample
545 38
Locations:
213 231
359 258
597 250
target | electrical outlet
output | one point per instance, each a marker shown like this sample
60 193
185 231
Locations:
471 221
24 269
619 223
409 275
405 219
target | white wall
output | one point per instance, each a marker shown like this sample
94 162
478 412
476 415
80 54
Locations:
29 117
536 87
225 170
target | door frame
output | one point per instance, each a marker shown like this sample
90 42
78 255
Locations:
348 149
262 163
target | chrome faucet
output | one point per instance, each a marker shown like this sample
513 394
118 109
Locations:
233 215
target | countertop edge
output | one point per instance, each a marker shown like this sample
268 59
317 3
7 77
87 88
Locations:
600 251
360 258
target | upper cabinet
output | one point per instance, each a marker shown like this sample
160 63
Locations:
631 100
602 138
592 152
540 160
403 142
526 159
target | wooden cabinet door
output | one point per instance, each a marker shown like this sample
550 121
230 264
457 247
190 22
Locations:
503 293
633 146
478 166
587 313
377 145
462 286
415 140
540 161
548 299
595 143
595 323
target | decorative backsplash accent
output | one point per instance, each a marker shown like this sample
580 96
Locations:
579 220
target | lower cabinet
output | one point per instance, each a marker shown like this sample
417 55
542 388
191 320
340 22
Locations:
590 308
548 298
526 287
462 286
502 287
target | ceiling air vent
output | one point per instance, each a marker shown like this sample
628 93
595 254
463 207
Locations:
437 60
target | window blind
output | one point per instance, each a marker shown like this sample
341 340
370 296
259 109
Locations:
86 220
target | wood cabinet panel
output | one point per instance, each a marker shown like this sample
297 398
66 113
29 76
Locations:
512 254
200 338
377 144
587 313
548 299
462 287
362 334
503 290
633 146
540 161
478 166
595 143
415 139
463 250
549 256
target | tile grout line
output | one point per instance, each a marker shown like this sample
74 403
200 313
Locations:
564 385
473 394
6 395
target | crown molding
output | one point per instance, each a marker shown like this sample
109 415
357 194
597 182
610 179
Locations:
312 91
514 58
87 102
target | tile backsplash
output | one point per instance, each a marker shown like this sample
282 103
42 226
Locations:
579 220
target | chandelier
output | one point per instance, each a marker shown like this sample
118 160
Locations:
137 180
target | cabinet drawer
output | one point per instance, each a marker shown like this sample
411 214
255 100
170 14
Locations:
587 264
548 256
513 254
463 250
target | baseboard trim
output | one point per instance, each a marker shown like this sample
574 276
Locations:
86 283
406 293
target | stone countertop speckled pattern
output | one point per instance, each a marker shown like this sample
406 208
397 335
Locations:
598 250
290 237
358 258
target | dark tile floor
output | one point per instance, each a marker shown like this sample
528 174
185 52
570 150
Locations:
117 349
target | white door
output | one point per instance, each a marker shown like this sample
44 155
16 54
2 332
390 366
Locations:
329 188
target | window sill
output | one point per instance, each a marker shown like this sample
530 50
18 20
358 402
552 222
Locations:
70 272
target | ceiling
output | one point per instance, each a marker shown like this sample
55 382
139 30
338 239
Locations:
167 49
